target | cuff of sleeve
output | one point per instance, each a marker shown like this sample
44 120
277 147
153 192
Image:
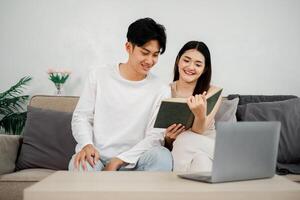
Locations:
80 146
131 162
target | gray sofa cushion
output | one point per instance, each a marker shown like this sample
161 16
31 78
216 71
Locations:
47 140
245 99
227 110
9 145
288 113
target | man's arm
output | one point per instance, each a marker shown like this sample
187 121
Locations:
153 136
82 124
83 115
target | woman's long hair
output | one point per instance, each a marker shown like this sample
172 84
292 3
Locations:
203 82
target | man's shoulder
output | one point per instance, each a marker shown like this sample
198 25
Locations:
101 70
157 82
159 86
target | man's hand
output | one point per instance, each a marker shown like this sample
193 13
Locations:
88 153
114 164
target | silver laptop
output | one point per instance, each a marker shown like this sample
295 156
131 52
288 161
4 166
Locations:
243 151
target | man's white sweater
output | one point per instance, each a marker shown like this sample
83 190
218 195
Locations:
117 115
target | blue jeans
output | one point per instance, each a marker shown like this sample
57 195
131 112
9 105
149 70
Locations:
156 159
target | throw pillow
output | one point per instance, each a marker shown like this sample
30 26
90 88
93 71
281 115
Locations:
47 140
227 110
9 145
245 99
288 113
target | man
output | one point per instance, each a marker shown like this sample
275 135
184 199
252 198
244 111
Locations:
113 120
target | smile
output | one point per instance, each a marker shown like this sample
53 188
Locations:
146 67
189 72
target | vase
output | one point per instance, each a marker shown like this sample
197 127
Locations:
59 89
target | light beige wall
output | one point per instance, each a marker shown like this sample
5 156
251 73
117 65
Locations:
255 44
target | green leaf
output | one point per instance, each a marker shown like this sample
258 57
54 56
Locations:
16 89
58 77
11 103
13 123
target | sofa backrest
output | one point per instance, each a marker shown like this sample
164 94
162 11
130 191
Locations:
58 103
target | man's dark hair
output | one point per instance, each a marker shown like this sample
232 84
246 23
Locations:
143 30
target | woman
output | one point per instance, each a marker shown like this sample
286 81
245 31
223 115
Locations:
192 149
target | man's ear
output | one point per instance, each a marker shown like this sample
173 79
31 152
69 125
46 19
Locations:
129 47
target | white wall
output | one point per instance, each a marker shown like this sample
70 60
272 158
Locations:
255 44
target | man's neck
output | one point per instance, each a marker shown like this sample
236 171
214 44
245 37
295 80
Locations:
127 72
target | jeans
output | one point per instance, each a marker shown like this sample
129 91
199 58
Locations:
156 159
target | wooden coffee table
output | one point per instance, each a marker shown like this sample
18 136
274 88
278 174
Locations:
154 186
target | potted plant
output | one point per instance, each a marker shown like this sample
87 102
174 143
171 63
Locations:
12 113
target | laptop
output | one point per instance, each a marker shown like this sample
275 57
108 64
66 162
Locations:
243 151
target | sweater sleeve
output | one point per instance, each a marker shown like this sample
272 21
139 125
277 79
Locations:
83 116
153 136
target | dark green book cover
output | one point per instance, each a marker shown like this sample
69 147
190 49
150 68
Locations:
211 101
178 112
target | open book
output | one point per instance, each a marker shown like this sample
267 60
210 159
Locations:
177 111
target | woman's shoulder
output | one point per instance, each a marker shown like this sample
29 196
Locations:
213 89
172 85
173 89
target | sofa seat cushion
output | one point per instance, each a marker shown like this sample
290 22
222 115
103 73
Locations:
27 175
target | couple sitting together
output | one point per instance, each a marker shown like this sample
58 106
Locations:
114 118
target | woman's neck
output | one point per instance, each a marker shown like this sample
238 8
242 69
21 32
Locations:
185 89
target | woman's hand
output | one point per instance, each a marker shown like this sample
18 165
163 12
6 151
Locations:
173 131
198 105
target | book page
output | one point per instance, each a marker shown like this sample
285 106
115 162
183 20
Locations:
179 100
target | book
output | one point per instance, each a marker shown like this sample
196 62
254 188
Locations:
177 111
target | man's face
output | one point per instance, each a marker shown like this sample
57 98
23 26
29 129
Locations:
143 58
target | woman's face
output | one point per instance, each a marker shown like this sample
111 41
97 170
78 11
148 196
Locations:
191 65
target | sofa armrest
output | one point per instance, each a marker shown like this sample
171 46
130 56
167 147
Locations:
9 145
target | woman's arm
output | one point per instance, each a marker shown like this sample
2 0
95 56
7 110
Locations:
202 121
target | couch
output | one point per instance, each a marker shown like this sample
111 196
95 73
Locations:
13 179
12 184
